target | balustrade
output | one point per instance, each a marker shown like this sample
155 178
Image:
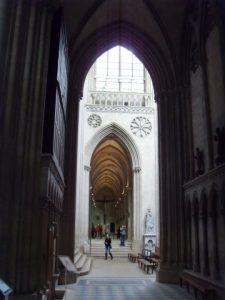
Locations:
120 99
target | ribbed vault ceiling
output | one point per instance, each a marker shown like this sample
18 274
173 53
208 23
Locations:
110 169
151 29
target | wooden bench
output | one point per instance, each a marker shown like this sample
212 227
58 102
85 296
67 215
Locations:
207 292
133 257
146 254
154 262
145 265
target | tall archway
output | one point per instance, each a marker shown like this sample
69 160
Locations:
83 191
170 95
111 185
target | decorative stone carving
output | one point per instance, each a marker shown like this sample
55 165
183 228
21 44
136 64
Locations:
116 109
87 168
94 120
120 99
149 222
141 126
200 163
137 169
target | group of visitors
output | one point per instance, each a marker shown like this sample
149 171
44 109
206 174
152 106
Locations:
96 231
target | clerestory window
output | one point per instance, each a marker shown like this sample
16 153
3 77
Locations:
119 70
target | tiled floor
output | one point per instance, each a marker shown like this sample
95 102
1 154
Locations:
120 279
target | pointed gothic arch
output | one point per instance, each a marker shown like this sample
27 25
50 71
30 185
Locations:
82 217
124 137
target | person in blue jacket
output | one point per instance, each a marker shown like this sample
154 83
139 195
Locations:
108 246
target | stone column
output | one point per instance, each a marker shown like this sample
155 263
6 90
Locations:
85 206
203 239
213 246
21 121
130 213
189 240
170 182
137 215
195 242
82 207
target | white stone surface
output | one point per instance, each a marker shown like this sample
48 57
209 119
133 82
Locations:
117 119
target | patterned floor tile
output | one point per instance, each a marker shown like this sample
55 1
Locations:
124 289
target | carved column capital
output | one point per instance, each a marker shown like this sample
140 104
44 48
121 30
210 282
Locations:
87 168
137 170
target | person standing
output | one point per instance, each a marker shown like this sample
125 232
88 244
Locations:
97 229
122 235
108 247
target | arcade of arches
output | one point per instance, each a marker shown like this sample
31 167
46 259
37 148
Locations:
47 48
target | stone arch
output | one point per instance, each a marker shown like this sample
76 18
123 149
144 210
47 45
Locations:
132 149
166 87
119 132
142 45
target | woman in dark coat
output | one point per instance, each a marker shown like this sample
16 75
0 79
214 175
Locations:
108 246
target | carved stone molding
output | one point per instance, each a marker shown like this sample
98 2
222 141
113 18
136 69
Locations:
122 109
218 172
120 98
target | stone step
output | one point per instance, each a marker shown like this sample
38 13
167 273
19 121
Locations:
81 262
86 267
98 249
77 257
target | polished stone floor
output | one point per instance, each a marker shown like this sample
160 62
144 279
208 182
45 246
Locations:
119 279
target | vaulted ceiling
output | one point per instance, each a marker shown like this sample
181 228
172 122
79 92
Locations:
151 28
110 169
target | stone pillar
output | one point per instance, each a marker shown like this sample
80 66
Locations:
170 175
213 246
21 121
85 207
137 215
189 240
195 241
203 239
130 213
